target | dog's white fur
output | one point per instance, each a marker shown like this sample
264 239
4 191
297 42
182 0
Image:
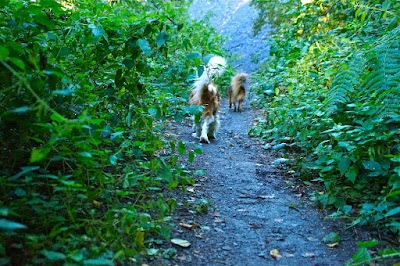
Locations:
205 92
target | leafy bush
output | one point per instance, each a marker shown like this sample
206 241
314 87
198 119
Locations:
86 87
331 90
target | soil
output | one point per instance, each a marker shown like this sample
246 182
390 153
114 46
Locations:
250 206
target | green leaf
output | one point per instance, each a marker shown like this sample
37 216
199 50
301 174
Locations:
181 148
393 193
198 151
20 110
191 156
113 159
65 92
331 238
372 166
367 244
361 255
145 46
279 146
10 225
351 174
3 53
347 209
194 55
152 251
161 39
98 261
128 63
358 12
85 154
97 31
20 192
153 111
18 63
64 51
393 212
344 165
346 145
191 110
39 154
57 117
364 14
53 256
25 170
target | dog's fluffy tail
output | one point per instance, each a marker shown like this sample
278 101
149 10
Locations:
238 81
215 68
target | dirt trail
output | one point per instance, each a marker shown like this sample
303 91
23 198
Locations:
256 207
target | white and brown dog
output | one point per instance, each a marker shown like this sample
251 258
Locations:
205 93
237 90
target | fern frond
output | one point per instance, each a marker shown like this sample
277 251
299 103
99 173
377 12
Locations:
372 78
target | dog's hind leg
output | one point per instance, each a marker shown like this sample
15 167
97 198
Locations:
212 130
196 129
204 130
230 96
240 105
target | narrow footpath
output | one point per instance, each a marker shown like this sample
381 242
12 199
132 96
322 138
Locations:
254 207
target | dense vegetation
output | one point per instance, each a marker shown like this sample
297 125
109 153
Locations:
331 92
85 90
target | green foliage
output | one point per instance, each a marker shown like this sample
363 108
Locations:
330 92
86 88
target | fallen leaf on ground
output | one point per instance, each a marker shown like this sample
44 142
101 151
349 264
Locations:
278 220
334 245
308 255
182 258
275 254
241 210
180 242
254 226
188 226
267 197
288 255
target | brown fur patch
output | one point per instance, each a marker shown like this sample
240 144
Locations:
237 91
208 98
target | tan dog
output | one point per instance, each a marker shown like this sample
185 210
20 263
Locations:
205 93
237 90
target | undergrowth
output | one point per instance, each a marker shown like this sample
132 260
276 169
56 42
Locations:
331 93
85 90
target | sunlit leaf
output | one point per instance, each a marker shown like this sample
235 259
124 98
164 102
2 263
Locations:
39 154
145 46
10 225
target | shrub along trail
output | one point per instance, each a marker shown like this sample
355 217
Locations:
257 214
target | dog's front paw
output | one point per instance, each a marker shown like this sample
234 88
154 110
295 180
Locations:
212 137
204 140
